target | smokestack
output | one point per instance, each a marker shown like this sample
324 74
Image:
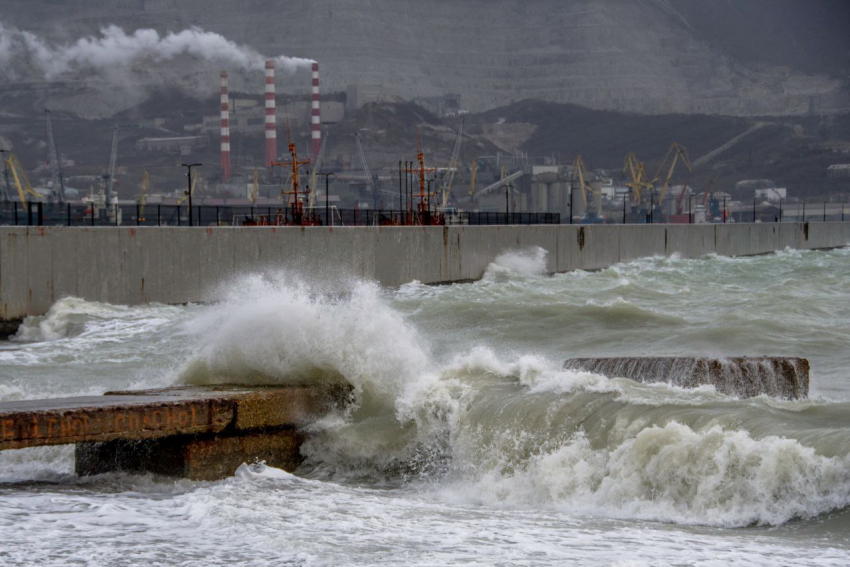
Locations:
225 129
271 121
316 118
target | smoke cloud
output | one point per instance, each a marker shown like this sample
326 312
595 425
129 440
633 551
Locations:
115 48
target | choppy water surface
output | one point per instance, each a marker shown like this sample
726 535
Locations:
468 443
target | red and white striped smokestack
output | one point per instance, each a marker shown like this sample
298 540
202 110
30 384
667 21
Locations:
317 117
271 119
225 129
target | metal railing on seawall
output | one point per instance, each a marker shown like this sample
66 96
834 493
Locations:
13 213
83 215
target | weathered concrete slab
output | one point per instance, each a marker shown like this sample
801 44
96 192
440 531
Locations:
167 412
743 377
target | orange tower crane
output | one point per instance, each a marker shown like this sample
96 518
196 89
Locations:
294 164
424 206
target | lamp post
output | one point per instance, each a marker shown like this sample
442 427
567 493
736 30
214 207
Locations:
8 192
624 208
651 206
189 167
400 197
327 196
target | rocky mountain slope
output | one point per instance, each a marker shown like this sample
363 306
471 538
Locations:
759 57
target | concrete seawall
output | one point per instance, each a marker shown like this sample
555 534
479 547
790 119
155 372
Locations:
129 265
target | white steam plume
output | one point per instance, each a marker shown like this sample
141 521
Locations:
114 48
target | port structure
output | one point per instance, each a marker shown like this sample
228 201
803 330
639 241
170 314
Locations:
299 217
196 432
423 214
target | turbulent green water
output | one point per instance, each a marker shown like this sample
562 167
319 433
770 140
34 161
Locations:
467 443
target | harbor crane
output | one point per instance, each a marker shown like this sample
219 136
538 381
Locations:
678 152
110 194
371 178
254 194
53 159
22 181
454 165
316 168
579 173
637 174
424 205
197 181
299 219
501 182
143 195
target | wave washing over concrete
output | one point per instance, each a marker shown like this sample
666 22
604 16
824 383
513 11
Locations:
130 266
467 441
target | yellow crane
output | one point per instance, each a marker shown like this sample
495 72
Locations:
196 182
579 172
677 151
143 195
472 178
22 182
255 188
454 166
316 167
637 174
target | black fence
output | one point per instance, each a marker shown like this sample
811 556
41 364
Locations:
80 214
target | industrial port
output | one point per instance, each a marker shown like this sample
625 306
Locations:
368 155
483 282
443 173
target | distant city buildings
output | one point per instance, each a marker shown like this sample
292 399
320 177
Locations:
838 170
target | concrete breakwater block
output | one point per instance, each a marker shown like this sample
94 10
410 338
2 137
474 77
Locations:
743 376
201 433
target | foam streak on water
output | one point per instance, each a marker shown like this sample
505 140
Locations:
467 441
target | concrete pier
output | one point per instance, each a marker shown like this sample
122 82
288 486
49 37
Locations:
133 265
742 376
201 433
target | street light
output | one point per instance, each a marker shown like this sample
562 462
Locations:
6 175
427 212
327 196
189 166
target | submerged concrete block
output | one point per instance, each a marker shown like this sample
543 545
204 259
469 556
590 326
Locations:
201 457
742 377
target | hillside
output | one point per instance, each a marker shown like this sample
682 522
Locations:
792 151
758 57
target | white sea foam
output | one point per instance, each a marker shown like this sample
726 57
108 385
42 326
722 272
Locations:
677 474
279 331
528 262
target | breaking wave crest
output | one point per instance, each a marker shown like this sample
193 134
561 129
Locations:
513 430
273 330
529 262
